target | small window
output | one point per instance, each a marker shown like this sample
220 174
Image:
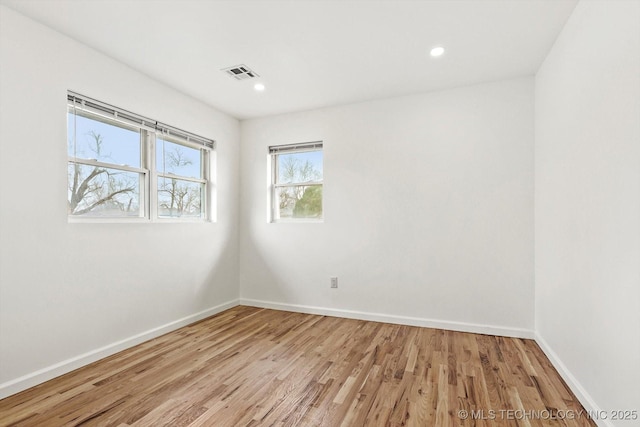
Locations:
112 172
181 183
297 176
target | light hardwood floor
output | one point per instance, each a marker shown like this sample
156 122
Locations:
255 367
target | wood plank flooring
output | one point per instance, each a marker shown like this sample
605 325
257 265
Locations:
255 367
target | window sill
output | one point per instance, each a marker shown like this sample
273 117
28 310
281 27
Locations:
71 220
297 221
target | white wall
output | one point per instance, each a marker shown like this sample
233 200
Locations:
428 211
68 289
587 196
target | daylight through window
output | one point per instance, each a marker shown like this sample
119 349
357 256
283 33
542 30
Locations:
296 181
121 165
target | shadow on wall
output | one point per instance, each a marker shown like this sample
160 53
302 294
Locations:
260 273
219 283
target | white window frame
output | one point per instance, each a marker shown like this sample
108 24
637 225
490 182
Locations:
149 130
204 177
276 150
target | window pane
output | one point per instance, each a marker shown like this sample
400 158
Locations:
299 201
103 192
179 198
299 167
176 159
105 142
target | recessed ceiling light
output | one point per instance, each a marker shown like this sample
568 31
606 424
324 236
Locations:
259 87
437 51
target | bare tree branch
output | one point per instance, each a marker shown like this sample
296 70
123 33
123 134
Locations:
90 191
103 201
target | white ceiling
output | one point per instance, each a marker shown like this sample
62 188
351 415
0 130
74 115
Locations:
311 54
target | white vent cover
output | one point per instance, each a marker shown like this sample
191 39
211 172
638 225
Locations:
241 72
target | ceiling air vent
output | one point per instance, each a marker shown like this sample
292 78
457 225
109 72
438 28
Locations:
241 72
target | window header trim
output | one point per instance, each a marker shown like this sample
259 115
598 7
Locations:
91 105
290 148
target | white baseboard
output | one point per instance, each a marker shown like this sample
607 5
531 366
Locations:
399 320
22 383
575 386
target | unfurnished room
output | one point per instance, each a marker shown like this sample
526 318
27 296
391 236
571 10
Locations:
320 213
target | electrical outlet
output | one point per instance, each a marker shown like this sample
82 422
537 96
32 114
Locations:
334 282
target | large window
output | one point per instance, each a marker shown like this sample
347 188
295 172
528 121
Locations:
296 191
121 165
